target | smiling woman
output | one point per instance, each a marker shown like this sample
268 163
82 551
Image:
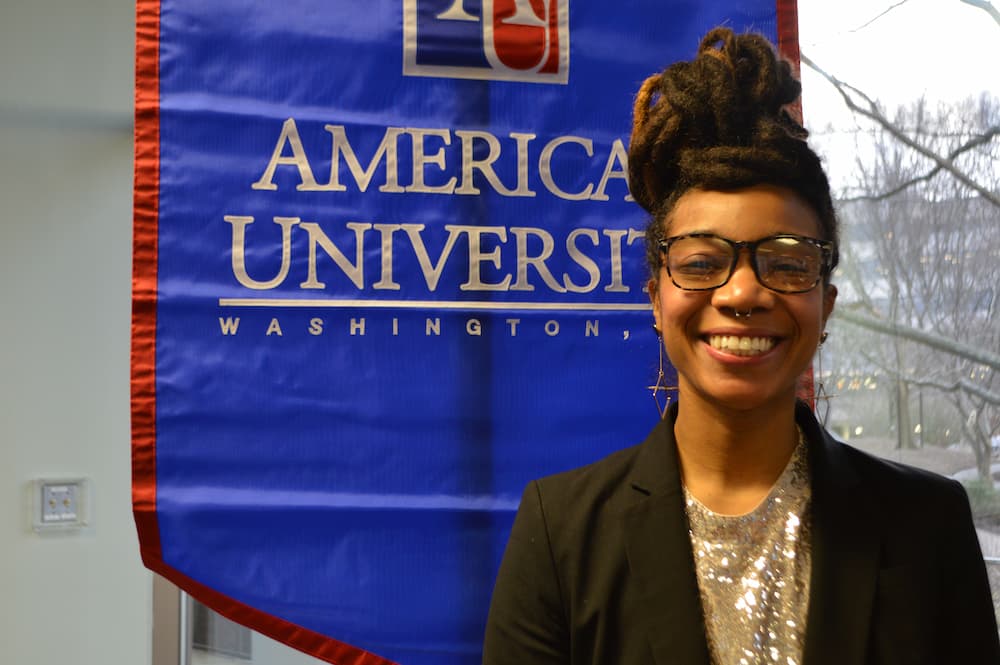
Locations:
739 531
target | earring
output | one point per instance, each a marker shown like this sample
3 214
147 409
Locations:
820 396
661 380
743 315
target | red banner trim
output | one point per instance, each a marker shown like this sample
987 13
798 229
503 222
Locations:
144 269
788 42
305 640
788 46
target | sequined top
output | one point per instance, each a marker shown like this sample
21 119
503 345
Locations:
753 572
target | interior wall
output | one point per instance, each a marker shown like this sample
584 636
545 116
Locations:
78 597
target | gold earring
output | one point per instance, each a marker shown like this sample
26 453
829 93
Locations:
820 397
661 380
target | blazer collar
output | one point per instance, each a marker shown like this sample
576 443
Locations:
845 554
658 547
845 549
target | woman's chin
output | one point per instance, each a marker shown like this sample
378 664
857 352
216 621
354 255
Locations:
744 396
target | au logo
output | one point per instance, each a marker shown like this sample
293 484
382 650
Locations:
505 40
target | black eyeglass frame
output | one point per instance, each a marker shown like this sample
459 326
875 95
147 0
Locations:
825 247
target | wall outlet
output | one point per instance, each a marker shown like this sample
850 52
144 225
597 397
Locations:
62 503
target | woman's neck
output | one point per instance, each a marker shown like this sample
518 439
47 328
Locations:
729 459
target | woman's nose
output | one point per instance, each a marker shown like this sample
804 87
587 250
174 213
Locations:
743 291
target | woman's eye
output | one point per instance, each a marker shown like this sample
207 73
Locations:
789 265
701 264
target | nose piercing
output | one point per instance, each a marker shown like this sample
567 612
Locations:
743 315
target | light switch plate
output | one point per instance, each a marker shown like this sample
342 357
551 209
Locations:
61 503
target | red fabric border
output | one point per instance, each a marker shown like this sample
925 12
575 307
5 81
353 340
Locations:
788 41
788 30
788 46
144 267
303 639
143 373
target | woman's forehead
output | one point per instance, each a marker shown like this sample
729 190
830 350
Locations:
745 214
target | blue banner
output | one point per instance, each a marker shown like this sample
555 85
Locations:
387 270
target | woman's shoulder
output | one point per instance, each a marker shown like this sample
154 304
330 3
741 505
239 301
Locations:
890 481
898 484
607 471
607 486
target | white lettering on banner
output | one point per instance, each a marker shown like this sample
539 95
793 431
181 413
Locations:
617 286
536 262
362 176
480 247
582 260
229 325
477 257
421 160
289 135
545 167
239 244
619 155
430 327
485 166
432 149
354 271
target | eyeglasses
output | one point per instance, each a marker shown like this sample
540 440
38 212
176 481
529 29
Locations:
784 263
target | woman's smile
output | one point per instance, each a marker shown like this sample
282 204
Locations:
744 345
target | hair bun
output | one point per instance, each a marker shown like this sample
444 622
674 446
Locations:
732 96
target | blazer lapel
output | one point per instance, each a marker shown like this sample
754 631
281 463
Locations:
658 547
844 554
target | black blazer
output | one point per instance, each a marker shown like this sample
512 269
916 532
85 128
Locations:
599 570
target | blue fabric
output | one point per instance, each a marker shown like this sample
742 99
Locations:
358 475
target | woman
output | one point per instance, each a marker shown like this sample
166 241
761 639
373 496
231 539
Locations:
739 531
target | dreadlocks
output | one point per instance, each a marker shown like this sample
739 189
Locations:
720 122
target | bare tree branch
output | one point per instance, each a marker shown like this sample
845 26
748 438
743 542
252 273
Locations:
975 354
895 190
868 23
961 385
849 268
872 112
978 141
986 7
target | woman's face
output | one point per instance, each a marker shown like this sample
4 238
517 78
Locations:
783 329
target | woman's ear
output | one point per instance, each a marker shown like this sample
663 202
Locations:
653 287
829 298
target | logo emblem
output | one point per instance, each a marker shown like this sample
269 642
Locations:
503 40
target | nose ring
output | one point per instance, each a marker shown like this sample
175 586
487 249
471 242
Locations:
743 315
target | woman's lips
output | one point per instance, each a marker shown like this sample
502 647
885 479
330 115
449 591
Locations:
742 345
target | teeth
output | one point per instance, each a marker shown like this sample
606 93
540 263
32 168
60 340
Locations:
741 346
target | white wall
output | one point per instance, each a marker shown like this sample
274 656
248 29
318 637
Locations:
65 235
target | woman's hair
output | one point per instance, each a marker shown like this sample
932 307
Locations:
720 122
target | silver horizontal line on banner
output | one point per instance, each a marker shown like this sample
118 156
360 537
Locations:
434 304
